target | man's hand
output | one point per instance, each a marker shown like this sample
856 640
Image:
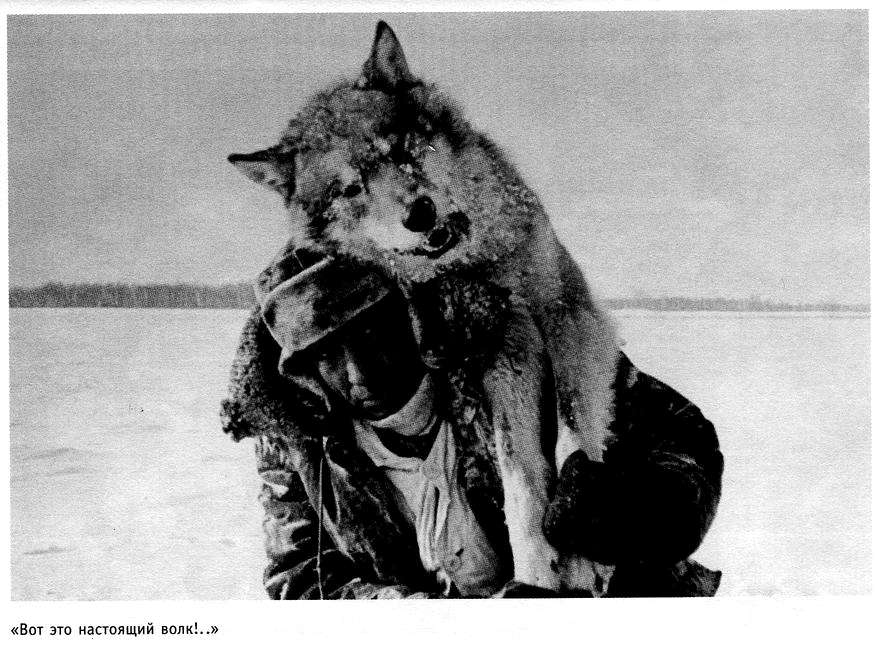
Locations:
583 516
654 510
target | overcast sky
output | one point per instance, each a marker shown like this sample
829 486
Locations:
700 154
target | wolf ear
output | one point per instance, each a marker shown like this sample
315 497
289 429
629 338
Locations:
386 68
267 168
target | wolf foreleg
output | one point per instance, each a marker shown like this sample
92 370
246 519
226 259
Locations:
584 356
514 387
526 476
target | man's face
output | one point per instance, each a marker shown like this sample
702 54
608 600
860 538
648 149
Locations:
372 362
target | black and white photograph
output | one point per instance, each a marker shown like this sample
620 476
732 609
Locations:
439 305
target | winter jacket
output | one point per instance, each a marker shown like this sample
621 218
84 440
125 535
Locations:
645 508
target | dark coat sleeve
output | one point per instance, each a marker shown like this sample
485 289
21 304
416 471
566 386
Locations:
654 496
291 540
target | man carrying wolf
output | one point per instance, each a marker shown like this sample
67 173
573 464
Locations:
440 406
408 490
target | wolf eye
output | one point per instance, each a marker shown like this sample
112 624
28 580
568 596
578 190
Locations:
333 190
352 190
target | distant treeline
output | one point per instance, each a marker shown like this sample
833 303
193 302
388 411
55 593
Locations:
240 295
738 305
123 295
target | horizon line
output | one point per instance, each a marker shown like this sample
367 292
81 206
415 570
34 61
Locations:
245 286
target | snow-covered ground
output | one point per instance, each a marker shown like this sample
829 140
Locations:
124 487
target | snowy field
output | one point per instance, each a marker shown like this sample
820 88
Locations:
124 487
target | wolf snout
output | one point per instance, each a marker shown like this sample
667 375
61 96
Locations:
421 216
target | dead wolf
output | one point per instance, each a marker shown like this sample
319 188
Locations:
386 171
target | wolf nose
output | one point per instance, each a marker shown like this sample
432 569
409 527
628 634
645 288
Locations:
421 216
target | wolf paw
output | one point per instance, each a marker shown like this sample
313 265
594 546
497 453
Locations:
581 574
536 563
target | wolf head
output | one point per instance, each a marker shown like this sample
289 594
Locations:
385 168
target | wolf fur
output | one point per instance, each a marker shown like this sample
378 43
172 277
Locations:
497 302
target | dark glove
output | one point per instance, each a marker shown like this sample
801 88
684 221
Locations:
652 512
584 516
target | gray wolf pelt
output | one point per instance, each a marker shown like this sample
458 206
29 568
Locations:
384 169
